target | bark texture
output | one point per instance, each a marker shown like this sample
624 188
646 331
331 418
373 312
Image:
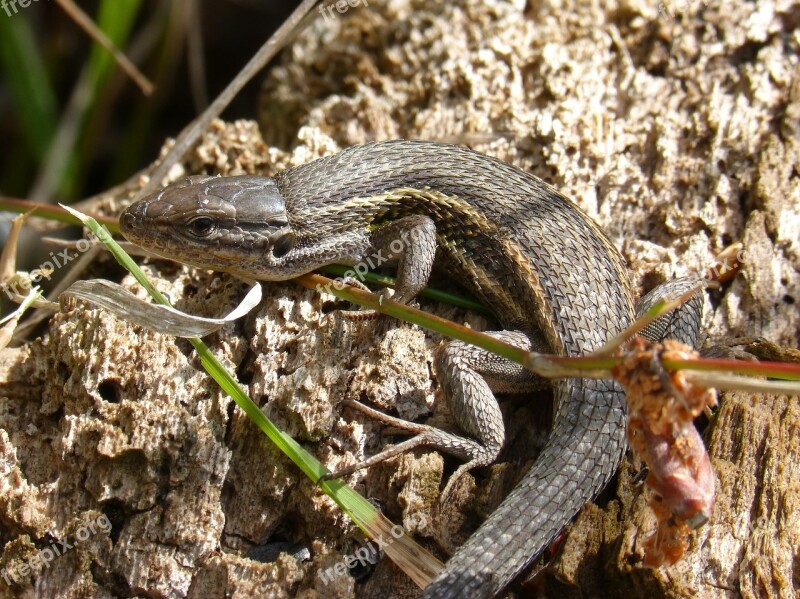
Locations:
674 124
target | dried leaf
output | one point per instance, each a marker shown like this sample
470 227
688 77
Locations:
162 319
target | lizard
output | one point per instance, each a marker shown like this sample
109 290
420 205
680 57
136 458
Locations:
549 273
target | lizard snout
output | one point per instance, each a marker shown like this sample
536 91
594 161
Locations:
132 218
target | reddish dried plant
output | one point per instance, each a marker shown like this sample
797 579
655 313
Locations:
662 406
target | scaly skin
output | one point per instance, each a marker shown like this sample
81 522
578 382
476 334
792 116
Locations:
539 262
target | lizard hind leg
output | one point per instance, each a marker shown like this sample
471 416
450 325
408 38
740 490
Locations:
468 376
425 435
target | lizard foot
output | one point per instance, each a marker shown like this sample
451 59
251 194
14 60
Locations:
461 447
367 314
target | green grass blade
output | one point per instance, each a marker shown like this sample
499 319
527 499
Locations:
28 82
116 19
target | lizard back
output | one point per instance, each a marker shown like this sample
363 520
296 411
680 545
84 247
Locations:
541 264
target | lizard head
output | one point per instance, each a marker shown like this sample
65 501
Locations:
233 224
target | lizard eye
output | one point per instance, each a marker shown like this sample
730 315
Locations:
201 226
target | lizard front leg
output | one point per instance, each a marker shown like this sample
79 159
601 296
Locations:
411 242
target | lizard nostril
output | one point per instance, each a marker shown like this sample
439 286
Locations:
132 217
127 221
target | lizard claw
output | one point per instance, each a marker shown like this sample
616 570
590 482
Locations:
360 315
364 315
327 476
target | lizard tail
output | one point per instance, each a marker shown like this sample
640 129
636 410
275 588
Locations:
584 449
